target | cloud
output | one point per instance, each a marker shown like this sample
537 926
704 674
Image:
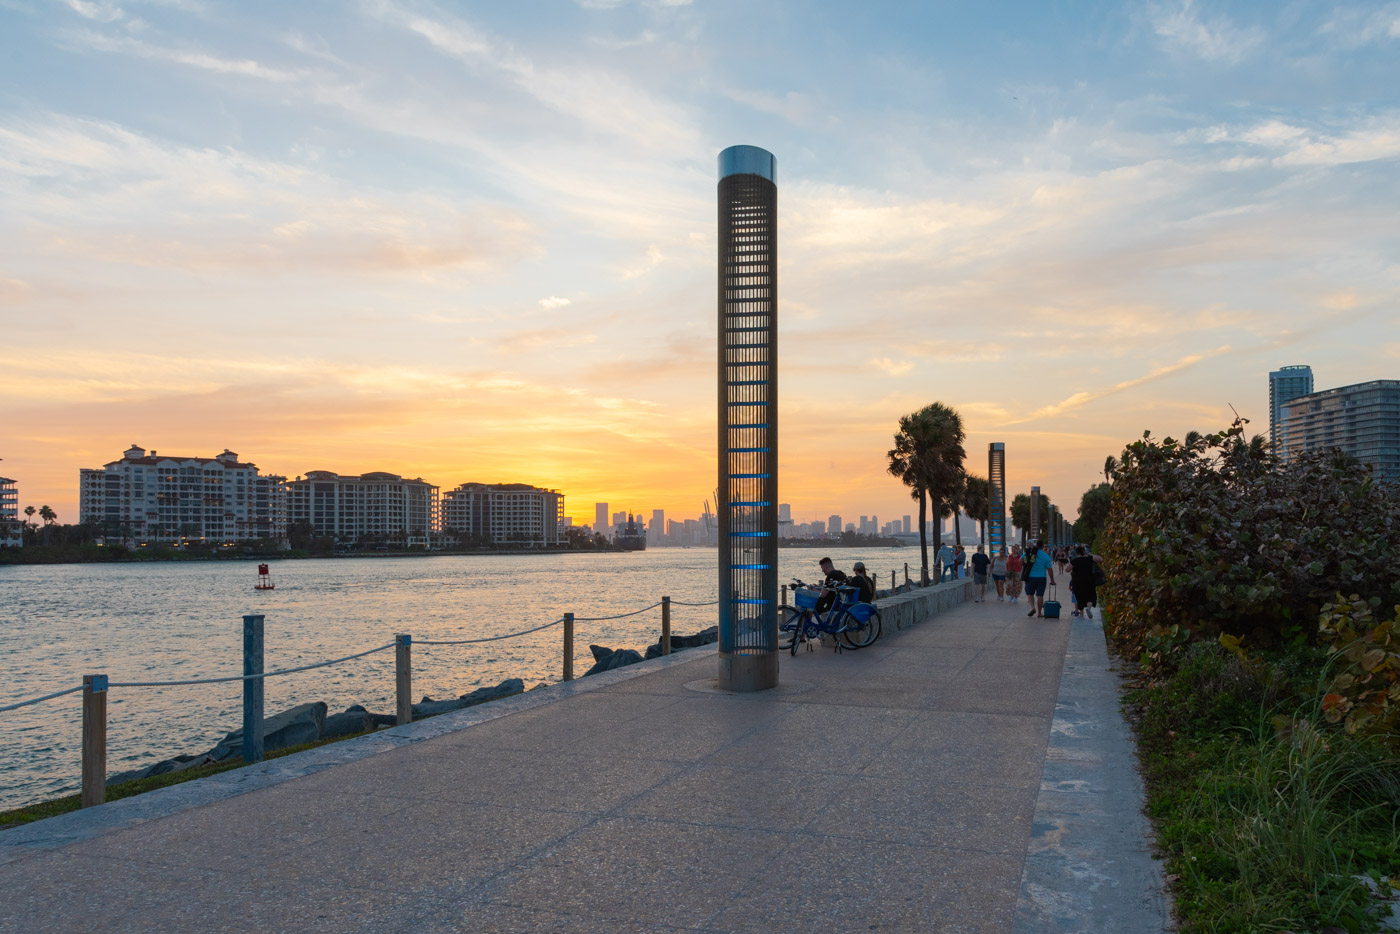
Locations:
554 301
98 190
248 68
1083 398
1354 27
102 12
1217 39
892 367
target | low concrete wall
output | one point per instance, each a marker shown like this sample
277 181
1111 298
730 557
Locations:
922 602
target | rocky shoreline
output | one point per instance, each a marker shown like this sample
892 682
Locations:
312 722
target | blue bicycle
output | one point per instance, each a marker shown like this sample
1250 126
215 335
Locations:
853 625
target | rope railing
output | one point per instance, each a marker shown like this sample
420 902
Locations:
95 686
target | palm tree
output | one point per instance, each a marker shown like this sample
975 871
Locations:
977 500
928 457
1110 467
29 511
49 516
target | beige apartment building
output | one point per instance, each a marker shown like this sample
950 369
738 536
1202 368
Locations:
373 510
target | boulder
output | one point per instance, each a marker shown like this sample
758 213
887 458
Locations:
380 719
428 707
177 764
301 724
506 688
606 659
703 637
348 723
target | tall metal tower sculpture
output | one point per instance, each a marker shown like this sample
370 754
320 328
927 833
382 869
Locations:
748 419
1035 513
996 499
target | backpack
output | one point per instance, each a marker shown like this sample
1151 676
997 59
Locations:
1100 578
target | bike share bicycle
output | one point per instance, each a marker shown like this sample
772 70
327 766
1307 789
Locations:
853 625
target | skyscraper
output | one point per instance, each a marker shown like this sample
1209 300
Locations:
748 419
1285 384
784 512
656 531
905 523
1361 420
600 518
833 526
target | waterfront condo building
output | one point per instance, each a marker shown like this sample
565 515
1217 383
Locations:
1361 420
11 528
505 513
150 498
1285 384
377 509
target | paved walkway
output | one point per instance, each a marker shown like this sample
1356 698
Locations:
898 788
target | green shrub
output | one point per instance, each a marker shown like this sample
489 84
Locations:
1212 536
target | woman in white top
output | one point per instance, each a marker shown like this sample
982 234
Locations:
999 573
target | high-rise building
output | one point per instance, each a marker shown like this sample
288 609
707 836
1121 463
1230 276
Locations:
817 528
833 526
1361 420
785 512
906 523
149 498
505 513
656 529
374 509
11 528
619 519
1285 384
600 518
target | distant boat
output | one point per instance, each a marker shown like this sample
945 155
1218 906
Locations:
631 537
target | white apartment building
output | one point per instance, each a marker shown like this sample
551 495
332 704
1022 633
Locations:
507 513
372 509
150 498
11 527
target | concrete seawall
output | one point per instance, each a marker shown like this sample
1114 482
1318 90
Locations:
907 608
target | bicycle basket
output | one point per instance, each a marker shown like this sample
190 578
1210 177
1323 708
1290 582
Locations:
861 611
806 599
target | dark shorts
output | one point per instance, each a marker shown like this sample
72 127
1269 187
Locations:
998 577
1035 586
978 578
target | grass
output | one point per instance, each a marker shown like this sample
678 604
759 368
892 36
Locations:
55 806
1265 819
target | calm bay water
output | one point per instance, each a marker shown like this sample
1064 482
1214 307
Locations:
171 621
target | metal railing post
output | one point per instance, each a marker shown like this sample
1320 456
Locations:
891 582
906 574
665 625
94 740
568 646
403 677
252 689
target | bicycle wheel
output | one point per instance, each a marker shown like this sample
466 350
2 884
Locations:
790 621
857 634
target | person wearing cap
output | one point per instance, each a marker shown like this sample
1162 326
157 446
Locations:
864 582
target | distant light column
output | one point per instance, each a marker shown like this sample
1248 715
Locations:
1035 513
748 419
996 500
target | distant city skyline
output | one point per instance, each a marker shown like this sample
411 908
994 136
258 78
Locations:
478 242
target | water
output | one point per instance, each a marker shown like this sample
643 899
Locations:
176 620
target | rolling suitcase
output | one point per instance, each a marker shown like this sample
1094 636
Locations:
1052 606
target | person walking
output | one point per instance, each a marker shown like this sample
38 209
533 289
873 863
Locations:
959 562
1013 574
1040 568
945 562
1084 581
980 565
999 574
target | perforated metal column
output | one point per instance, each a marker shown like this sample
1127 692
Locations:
996 498
1035 513
748 420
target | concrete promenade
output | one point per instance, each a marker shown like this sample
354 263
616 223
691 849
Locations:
923 784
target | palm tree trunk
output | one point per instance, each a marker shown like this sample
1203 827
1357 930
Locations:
923 531
957 527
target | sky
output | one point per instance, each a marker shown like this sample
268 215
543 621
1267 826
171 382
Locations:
476 241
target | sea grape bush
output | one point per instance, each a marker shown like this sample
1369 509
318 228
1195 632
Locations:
1363 685
1212 536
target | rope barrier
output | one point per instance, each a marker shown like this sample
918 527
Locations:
509 635
265 674
346 658
37 700
602 619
